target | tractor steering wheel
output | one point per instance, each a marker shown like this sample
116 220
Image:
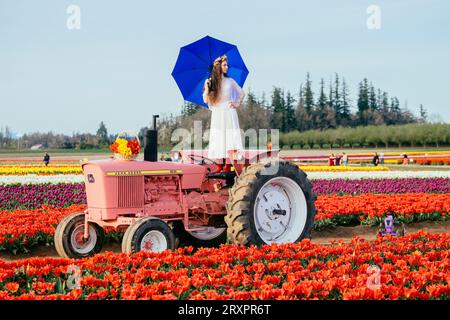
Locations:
192 156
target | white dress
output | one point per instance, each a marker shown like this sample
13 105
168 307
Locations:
225 133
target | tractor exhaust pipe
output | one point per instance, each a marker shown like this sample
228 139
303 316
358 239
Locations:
151 142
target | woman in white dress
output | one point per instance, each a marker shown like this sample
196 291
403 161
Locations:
223 95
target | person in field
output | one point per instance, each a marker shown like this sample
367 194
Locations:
405 159
46 159
376 160
223 96
332 160
382 158
345 159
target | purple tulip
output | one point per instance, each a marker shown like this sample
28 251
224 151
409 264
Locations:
33 196
411 185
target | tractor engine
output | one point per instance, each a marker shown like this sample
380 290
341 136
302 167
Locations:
161 192
162 195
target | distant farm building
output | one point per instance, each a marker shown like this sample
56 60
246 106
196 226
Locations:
37 147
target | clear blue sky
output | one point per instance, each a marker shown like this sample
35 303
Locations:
117 67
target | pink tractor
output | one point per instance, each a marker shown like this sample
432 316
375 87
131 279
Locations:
261 200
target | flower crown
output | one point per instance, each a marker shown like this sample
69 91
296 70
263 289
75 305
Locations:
220 59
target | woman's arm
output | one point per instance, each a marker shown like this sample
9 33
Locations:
206 91
241 93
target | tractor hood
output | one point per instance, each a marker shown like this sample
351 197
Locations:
112 167
107 171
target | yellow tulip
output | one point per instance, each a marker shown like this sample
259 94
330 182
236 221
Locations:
342 168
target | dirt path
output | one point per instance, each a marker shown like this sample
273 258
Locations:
369 233
320 237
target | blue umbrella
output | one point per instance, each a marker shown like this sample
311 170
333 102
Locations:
194 65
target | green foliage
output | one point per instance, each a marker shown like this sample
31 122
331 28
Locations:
432 135
309 95
329 110
102 135
190 108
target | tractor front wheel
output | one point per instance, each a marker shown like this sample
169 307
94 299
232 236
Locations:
69 237
148 234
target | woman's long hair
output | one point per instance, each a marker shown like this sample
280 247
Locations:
216 77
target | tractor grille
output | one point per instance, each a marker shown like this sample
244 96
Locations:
130 192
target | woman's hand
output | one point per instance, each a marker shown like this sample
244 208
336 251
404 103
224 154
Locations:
233 105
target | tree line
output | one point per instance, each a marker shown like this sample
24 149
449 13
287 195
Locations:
302 118
83 141
330 107
325 117
407 135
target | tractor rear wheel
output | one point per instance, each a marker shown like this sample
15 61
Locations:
69 237
270 202
148 234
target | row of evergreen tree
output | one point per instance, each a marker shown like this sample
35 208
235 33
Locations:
406 135
329 108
